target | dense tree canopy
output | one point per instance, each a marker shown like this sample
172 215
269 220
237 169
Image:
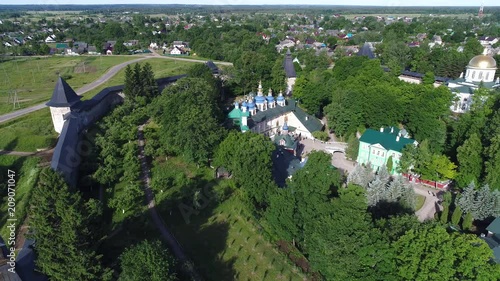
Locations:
248 157
431 253
190 117
148 258
60 226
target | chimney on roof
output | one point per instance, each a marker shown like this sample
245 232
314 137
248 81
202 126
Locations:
381 129
397 138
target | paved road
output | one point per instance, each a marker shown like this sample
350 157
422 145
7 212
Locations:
105 77
429 208
160 224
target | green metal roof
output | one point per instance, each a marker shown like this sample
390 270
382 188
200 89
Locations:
386 139
290 142
61 46
236 113
311 123
494 226
461 81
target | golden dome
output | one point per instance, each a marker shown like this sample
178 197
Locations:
482 61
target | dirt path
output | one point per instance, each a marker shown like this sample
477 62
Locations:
26 153
173 244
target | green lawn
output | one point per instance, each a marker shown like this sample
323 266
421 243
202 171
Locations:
420 201
28 133
26 170
161 67
223 240
35 130
35 78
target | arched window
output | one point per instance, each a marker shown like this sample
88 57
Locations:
487 76
473 74
480 75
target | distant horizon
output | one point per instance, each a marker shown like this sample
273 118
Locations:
345 3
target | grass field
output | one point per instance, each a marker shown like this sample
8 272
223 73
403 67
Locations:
28 133
35 78
226 244
161 67
223 240
420 202
26 171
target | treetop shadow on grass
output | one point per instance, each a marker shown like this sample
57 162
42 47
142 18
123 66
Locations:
204 244
12 144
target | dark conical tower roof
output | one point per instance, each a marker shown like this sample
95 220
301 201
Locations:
63 96
288 65
366 51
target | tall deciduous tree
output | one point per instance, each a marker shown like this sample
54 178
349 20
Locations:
278 76
313 185
431 253
353 147
148 258
470 161
248 157
189 116
347 239
492 165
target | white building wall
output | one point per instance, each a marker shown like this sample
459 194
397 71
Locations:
462 103
272 126
289 84
58 115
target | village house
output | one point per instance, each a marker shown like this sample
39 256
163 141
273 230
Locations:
50 39
177 51
493 238
487 40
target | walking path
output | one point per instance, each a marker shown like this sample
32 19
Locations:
26 153
99 81
160 224
429 209
338 158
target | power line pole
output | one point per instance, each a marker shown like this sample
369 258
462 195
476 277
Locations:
14 99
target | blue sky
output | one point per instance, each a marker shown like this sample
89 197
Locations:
486 3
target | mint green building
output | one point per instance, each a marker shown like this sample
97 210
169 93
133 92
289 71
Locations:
376 147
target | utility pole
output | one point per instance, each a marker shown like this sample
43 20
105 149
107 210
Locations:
14 99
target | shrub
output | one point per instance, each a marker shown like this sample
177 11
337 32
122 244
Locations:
320 135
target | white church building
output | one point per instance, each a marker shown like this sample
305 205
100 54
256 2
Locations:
268 114
480 70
